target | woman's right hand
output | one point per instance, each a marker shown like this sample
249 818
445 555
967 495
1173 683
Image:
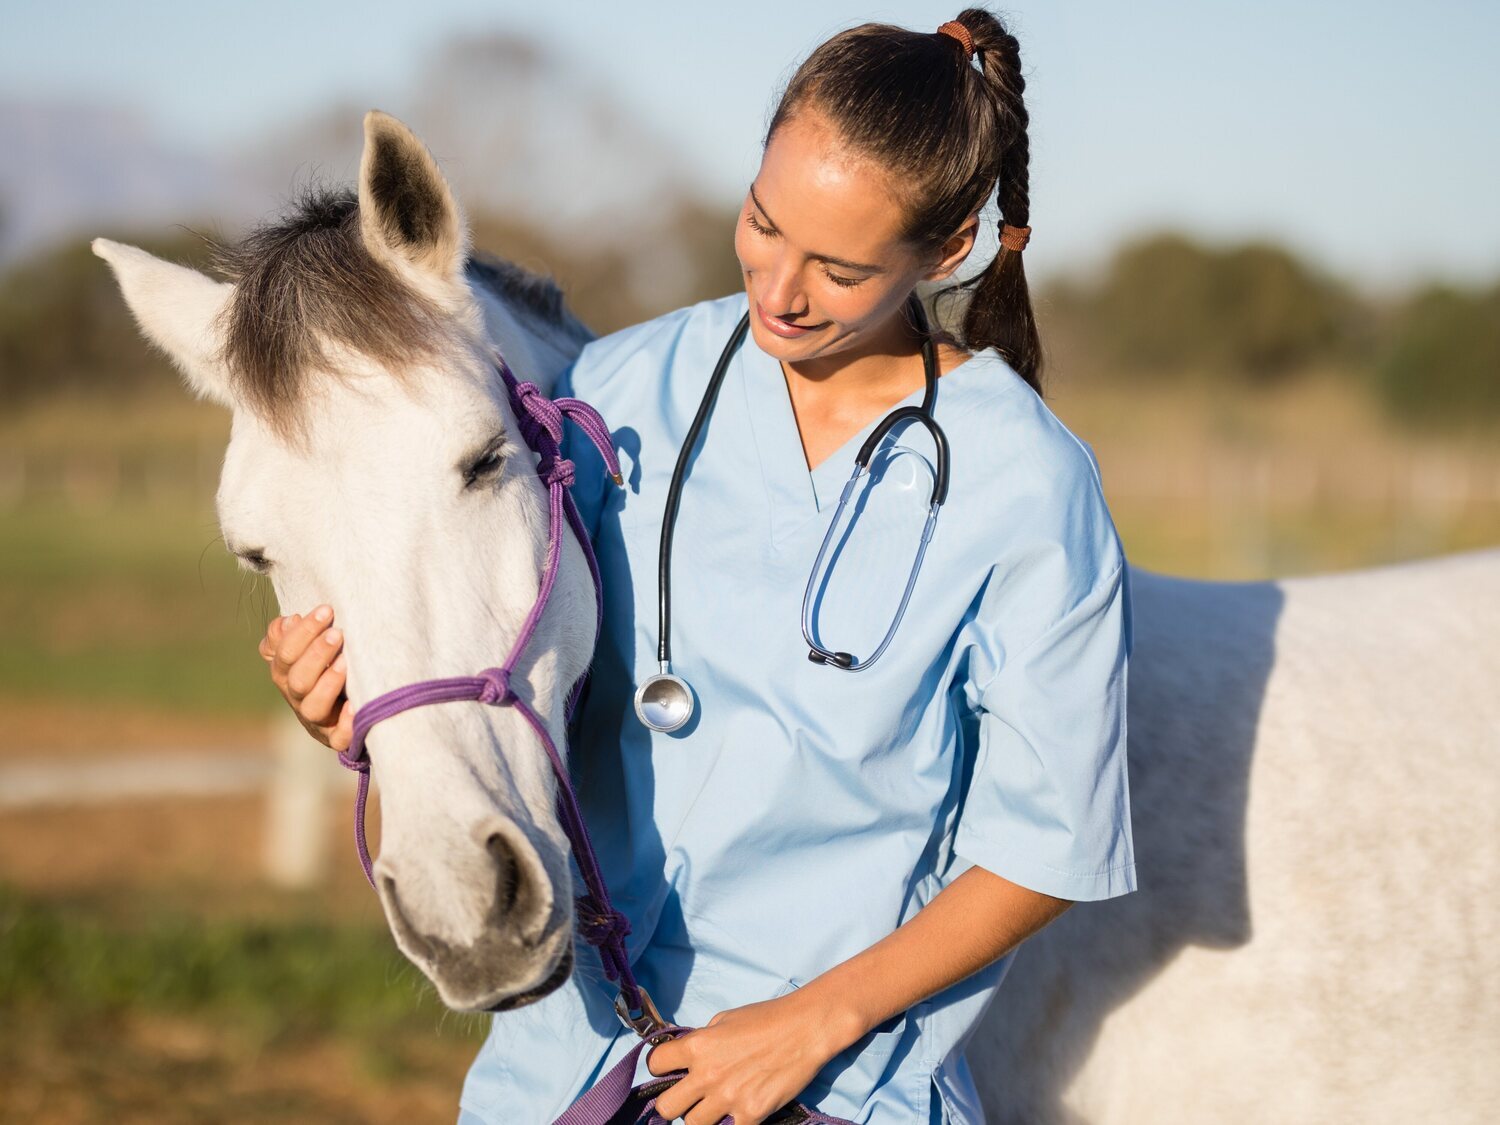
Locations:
308 667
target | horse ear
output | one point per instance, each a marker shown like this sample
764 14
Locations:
178 310
407 214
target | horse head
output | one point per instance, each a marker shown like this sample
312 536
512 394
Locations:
375 464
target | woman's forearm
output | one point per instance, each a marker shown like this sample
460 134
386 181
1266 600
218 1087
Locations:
976 919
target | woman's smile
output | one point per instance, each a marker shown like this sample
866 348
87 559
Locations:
785 328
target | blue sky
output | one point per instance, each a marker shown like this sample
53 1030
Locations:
1365 133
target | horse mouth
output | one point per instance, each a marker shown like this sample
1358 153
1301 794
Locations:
553 982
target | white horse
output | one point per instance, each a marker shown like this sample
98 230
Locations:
1313 762
1315 795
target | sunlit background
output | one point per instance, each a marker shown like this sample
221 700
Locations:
1266 260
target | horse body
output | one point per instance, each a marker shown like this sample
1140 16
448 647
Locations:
1315 791
1312 762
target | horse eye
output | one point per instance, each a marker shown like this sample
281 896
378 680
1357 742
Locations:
254 560
485 467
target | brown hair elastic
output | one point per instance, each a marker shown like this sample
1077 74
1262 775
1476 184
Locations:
955 30
1014 238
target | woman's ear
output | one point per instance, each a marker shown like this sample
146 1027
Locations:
955 250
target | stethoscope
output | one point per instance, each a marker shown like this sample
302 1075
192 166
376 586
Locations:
664 702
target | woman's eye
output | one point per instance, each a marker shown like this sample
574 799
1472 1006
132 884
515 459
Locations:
484 468
845 282
756 227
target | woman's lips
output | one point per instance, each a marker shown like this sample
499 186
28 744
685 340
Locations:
782 328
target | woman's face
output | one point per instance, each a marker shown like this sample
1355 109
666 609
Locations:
819 242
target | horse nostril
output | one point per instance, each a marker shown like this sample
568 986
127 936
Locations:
523 890
419 945
508 872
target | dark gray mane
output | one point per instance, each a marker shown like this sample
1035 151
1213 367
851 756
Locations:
306 278
530 292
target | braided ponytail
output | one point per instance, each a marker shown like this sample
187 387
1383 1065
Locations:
952 134
999 313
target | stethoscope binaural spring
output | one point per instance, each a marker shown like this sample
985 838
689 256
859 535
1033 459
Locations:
664 702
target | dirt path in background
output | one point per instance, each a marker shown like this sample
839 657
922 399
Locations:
30 730
137 1069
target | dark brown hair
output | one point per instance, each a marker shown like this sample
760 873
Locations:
948 133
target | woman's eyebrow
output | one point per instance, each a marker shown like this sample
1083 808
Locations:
828 258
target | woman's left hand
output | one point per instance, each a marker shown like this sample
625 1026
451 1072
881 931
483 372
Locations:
746 1063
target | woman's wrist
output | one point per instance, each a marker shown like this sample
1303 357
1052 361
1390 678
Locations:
832 1013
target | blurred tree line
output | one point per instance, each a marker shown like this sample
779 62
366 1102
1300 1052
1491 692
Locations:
1169 307
1166 307
65 331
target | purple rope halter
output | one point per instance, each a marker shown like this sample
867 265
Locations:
541 422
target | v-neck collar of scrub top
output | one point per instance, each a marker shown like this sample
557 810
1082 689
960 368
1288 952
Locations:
798 493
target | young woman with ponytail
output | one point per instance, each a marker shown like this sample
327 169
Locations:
828 873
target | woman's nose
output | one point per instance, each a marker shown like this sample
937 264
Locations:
783 295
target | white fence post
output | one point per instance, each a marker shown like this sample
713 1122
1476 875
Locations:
297 806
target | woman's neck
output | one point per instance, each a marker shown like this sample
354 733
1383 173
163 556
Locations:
835 398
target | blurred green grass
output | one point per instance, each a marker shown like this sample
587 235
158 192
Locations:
133 601
143 1006
287 974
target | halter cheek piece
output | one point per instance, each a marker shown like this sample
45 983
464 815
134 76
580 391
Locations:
599 923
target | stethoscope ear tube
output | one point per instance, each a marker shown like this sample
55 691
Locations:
674 492
664 702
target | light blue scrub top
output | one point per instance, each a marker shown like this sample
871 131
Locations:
805 813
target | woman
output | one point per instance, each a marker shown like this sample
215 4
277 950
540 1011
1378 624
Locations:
827 871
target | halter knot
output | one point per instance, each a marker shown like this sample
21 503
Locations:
496 687
561 471
538 415
598 924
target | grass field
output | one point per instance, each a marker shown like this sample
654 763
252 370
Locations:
127 603
123 1008
114 588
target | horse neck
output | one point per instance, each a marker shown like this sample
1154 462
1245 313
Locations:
535 351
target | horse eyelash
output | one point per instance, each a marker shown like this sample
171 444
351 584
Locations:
255 561
473 474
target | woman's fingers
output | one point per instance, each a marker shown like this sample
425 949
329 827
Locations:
680 1099
320 704
272 640
297 634
304 675
342 734
309 668
665 1058
711 1112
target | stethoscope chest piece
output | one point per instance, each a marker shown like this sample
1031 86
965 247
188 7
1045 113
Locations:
664 702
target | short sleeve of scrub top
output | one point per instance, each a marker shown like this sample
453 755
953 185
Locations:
804 813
